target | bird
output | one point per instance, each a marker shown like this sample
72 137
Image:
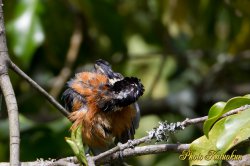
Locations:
104 103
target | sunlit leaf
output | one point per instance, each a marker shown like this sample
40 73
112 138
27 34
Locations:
73 145
213 113
221 108
25 30
78 139
225 134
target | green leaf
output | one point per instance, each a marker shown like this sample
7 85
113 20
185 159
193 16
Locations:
78 139
220 108
236 128
73 145
75 142
213 113
225 134
25 31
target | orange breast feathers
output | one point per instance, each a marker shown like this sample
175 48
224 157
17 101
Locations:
90 98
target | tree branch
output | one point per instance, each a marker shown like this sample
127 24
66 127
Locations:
9 95
128 149
144 150
90 160
69 161
188 122
137 151
39 89
111 154
245 161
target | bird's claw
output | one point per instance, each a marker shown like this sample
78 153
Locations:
120 150
130 144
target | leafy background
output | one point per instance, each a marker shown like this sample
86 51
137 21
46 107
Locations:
189 55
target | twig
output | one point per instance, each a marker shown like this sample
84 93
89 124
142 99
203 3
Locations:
90 160
121 147
12 109
73 51
9 95
39 88
188 122
144 150
50 162
245 161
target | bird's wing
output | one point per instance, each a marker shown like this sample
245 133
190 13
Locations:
136 119
71 97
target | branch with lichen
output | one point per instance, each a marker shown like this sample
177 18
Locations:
132 148
159 134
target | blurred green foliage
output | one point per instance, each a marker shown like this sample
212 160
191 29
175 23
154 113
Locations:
188 53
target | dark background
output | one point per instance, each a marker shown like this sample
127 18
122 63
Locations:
189 54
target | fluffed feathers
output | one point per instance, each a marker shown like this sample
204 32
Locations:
104 103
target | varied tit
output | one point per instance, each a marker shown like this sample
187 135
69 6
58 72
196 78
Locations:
104 104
